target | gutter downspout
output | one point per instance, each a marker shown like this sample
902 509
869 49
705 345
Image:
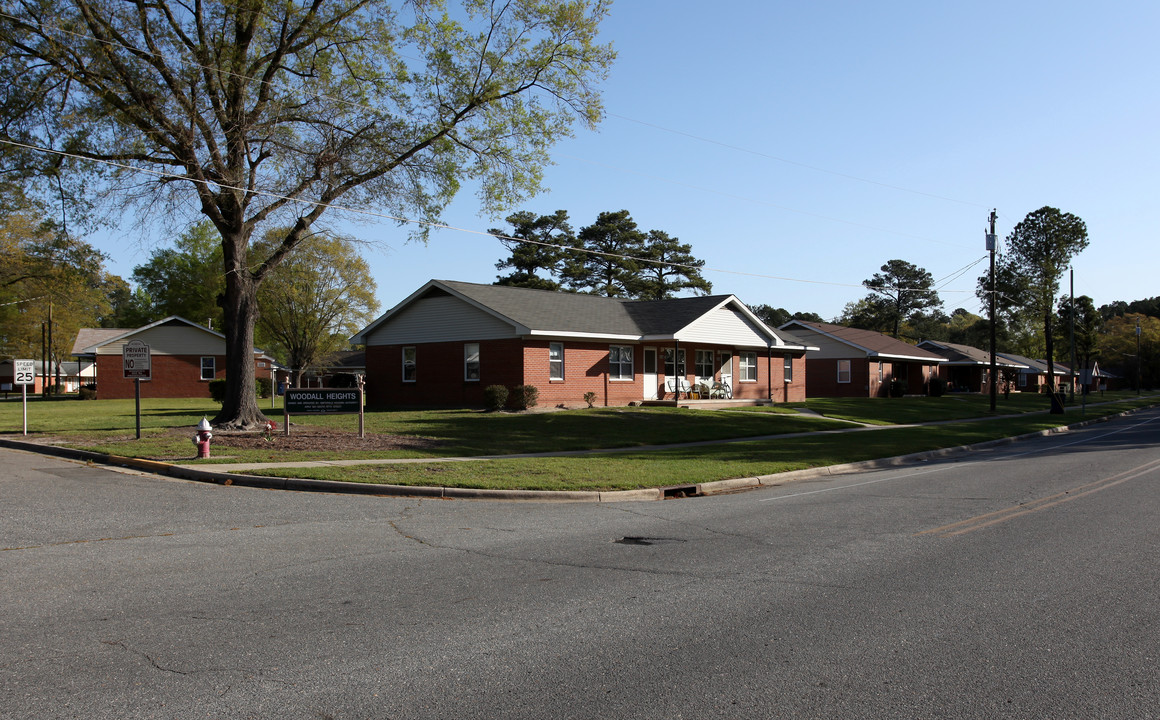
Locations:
769 372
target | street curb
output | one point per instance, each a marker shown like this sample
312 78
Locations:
716 487
331 486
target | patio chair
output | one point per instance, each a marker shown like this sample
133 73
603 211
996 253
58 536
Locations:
721 390
678 386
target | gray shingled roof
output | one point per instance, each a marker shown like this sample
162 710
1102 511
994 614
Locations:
873 342
89 337
552 311
957 354
1033 365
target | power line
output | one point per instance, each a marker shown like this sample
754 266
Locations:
759 202
767 156
428 223
364 106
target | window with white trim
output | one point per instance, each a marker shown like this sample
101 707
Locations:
620 362
409 363
556 361
843 371
471 361
748 366
704 363
787 367
208 368
677 370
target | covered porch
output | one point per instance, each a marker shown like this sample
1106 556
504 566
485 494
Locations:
707 403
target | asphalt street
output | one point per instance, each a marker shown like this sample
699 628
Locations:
1014 582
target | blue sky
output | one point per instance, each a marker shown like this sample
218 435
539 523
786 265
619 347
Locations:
799 146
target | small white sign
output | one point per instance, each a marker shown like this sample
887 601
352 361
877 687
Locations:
24 372
135 356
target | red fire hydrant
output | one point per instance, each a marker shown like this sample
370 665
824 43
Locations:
202 438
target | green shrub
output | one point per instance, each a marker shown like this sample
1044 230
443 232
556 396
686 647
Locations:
525 396
938 387
217 390
590 398
495 397
88 392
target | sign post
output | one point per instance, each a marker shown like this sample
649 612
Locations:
138 366
24 374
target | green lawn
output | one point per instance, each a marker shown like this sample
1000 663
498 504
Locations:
690 465
903 411
167 426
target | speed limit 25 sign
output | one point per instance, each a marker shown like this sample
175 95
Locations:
23 372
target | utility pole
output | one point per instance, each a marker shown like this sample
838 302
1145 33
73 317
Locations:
991 249
52 365
1139 360
1071 272
44 361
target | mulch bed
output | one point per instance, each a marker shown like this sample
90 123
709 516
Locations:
307 438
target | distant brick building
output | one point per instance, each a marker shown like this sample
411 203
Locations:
184 357
862 363
968 369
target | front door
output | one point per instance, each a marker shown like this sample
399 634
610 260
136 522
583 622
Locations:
725 372
650 373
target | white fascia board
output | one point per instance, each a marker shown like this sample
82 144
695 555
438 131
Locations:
360 337
891 356
774 339
767 346
525 332
725 301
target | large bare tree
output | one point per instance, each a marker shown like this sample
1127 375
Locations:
267 113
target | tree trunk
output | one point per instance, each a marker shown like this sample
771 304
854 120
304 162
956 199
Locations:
240 307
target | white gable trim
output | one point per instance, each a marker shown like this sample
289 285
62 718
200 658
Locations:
126 335
770 338
360 338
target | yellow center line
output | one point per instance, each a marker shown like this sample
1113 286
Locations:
993 518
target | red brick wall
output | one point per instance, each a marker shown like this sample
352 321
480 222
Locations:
585 370
173 376
439 373
822 378
796 390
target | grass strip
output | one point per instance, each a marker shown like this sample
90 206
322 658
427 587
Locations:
167 431
680 466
